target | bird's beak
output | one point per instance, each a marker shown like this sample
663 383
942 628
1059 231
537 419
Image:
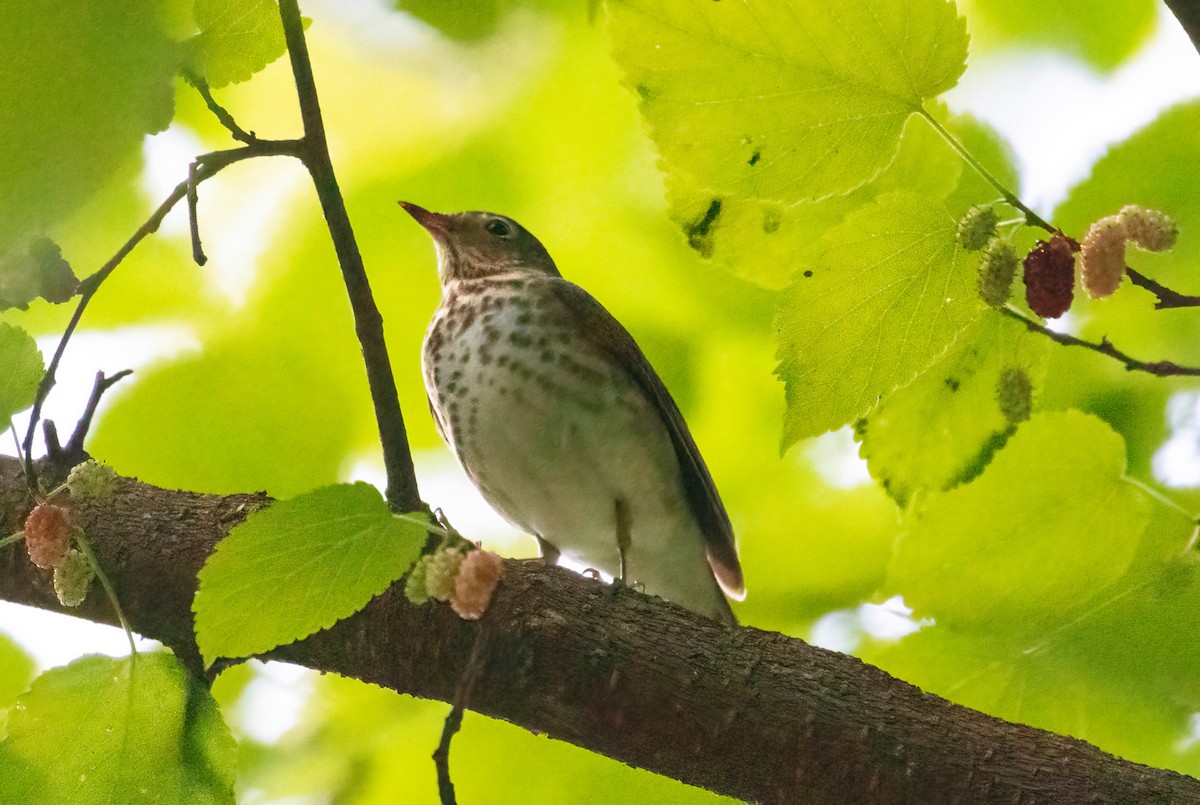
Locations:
434 222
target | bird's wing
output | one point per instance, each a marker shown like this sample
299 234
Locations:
606 333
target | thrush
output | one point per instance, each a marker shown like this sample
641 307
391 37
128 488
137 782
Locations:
562 424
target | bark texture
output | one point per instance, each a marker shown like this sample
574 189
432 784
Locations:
743 712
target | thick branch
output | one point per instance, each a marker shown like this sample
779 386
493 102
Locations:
1188 14
747 713
368 323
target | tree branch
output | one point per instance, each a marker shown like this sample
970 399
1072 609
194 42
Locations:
368 323
747 713
1188 14
1105 347
1166 297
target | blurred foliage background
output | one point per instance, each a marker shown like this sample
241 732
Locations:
249 376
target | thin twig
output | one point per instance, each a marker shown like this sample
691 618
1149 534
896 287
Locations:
1010 198
209 166
402 491
193 202
102 384
1166 297
221 113
10 539
441 755
1105 347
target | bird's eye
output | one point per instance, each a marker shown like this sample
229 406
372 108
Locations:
498 228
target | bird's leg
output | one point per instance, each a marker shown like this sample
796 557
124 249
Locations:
624 537
550 554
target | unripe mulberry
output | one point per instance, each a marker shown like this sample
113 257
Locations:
72 577
977 227
1050 276
414 587
997 271
476 582
441 571
1103 256
47 534
1154 231
91 481
1014 394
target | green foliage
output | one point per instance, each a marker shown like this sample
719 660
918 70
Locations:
951 411
363 744
1056 589
103 730
1103 36
716 80
22 371
1074 533
889 293
299 566
237 38
16 672
84 82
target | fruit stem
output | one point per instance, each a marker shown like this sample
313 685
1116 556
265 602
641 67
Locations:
86 547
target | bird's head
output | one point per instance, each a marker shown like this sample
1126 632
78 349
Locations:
476 245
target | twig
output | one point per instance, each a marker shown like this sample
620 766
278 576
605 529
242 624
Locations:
441 755
50 437
1010 198
368 323
102 384
220 112
193 201
1166 297
1105 347
208 166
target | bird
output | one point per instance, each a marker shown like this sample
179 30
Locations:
561 423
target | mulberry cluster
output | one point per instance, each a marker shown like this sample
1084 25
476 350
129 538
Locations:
1050 276
1014 394
47 535
977 228
997 271
476 583
72 577
1104 246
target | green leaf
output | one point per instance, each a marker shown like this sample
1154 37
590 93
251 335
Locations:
767 242
300 566
16 672
21 371
1103 37
890 291
104 730
1048 525
84 82
951 411
784 100
237 39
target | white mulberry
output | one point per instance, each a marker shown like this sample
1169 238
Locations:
1104 256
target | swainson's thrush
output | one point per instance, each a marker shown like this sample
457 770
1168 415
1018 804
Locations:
558 418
